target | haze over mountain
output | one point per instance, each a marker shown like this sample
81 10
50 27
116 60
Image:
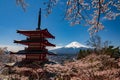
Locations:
71 48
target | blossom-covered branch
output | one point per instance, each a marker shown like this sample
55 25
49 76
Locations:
85 12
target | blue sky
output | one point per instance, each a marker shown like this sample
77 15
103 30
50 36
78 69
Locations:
12 18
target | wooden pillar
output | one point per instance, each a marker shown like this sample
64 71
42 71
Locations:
44 56
40 57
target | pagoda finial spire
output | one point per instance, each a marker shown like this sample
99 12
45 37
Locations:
39 20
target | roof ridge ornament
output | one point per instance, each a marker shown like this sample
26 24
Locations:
39 20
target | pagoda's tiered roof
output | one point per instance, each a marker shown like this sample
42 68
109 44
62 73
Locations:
43 33
32 42
33 52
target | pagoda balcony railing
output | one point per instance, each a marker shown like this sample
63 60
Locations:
42 39
36 39
36 48
36 51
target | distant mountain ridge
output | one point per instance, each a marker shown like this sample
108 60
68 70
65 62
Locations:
71 48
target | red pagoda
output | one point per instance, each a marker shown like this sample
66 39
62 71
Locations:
36 43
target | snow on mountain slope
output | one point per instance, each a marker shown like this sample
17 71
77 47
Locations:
75 45
72 48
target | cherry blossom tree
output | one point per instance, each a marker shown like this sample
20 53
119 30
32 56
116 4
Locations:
86 12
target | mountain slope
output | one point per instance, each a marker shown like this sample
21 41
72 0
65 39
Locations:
75 45
71 48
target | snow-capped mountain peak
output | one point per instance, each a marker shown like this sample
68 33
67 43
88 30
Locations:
75 45
71 48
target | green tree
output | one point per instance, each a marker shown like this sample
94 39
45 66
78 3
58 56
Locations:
83 53
113 52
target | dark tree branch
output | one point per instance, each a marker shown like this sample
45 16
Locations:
99 14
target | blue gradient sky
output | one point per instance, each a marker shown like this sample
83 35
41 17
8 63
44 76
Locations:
12 18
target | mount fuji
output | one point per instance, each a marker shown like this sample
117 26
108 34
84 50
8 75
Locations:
75 45
71 48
